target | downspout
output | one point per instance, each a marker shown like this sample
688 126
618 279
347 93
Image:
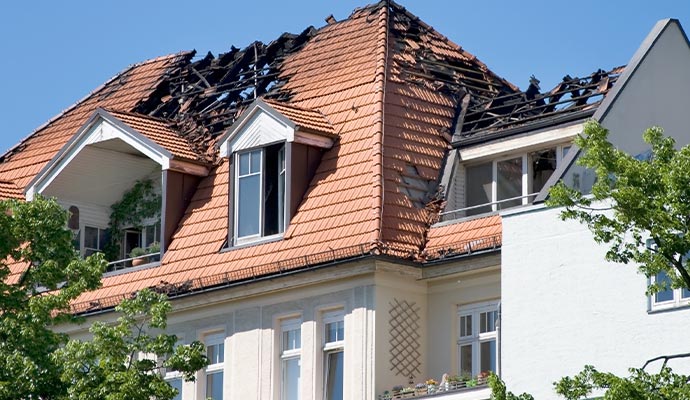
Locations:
381 77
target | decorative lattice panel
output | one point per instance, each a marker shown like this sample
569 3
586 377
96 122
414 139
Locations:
405 339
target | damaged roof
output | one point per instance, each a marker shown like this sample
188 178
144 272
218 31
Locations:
383 81
572 99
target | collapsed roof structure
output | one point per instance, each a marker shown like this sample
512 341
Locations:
397 94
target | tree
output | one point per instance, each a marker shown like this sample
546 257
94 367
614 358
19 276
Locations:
34 233
645 199
126 361
38 363
640 208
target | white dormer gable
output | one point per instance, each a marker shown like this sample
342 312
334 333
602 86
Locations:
262 125
107 134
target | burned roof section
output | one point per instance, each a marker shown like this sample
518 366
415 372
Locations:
573 98
206 96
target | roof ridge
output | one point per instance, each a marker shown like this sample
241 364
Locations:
93 93
380 78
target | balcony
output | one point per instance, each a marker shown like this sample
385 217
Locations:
454 389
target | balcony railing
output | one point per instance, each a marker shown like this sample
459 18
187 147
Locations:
486 207
132 262
437 390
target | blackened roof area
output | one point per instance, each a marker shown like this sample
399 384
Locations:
572 98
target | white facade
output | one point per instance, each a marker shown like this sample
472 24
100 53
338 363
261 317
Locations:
564 307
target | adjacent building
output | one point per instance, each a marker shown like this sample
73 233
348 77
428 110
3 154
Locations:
350 211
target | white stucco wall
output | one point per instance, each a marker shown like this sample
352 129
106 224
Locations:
655 94
564 306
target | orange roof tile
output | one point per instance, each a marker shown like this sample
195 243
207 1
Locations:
8 190
159 131
464 237
358 77
305 118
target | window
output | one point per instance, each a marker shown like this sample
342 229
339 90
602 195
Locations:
215 351
477 343
511 181
260 193
174 378
334 357
291 346
94 240
668 297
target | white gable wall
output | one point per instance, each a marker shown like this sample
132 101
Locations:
261 130
564 306
656 94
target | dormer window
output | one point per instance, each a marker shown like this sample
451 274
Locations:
260 192
273 150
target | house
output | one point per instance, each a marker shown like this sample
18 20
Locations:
329 212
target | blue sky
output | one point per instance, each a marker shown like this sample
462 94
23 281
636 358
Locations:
55 52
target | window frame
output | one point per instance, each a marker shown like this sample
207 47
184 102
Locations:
476 337
214 339
677 299
281 174
287 355
101 234
527 194
337 346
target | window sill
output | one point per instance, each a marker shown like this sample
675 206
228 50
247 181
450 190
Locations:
664 308
254 242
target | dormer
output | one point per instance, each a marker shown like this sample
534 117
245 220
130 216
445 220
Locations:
108 156
273 150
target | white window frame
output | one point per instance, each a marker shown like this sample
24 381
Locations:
676 301
282 172
287 325
213 339
476 338
329 317
526 182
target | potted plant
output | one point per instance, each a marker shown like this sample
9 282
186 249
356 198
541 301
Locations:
137 254
431 385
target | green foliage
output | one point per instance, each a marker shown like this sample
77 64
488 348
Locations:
639 385
648 199
139 203
499 392
34 233
39 363
125 361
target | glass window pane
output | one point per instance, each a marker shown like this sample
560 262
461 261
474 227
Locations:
466 360
487 353
487 321
244 164
176 384
215 353
214 385
543 164
509 182
685 293
292 339
334 375
256 161
291 373
335 331
91 237
466 325
248 207
667 294
478 187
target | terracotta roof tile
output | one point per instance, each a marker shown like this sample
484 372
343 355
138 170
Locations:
9 190
359 78
305 118
160 132
465 236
